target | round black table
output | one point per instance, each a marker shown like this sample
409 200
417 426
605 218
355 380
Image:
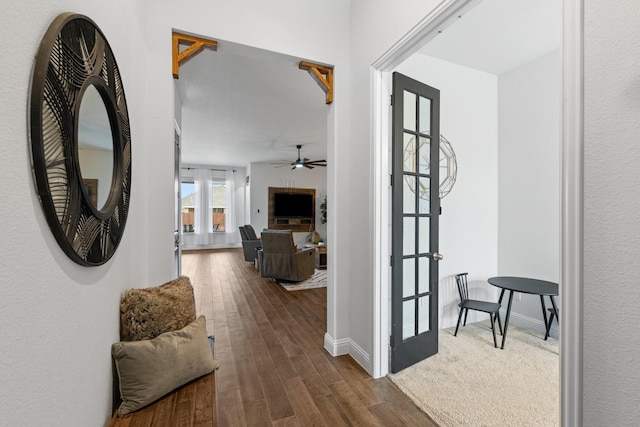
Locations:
527 286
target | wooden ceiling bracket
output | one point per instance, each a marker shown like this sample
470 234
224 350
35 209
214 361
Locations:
196 45
322 74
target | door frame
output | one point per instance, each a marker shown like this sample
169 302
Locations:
177 147
571 216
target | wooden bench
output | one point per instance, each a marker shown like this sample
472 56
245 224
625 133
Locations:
192 405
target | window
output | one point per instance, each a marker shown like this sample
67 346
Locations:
207 197
188 194
218 203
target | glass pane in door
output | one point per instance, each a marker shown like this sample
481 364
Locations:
409 235
423 241
423 274
423 200
410 153
408 194
425 115
424 165
409 277
423 314
409 111
408 319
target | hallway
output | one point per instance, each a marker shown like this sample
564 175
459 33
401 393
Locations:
274 370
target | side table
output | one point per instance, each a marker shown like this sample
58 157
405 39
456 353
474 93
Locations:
321 258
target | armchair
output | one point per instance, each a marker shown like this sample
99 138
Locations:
280 259
250 242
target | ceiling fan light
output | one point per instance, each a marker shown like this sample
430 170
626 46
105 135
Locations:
298 165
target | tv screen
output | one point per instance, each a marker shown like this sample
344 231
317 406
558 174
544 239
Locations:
293 205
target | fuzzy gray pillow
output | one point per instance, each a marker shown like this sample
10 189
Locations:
149 312
149 369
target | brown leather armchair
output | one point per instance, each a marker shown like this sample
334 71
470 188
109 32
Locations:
280 259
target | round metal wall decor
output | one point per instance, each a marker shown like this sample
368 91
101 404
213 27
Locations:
74 56
447 163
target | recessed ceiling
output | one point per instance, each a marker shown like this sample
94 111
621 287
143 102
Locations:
499 35
242 105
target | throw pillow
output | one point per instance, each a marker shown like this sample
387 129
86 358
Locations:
149 369
147 313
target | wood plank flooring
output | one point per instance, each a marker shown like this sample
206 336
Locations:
274 370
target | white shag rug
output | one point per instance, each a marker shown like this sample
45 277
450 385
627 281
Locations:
471 383
317 280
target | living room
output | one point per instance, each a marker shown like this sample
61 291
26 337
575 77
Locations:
253 113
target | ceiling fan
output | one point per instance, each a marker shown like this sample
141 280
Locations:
304 162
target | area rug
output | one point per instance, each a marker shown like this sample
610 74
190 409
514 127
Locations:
317 280
471 383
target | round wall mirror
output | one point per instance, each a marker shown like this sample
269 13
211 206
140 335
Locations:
80 139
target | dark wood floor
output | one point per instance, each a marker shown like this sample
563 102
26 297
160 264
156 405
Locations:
274 370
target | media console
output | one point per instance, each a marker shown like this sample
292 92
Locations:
292 209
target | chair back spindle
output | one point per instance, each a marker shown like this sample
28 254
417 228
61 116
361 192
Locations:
463 288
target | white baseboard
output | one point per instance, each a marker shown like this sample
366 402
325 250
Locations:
336 347
348 346
517 319
212 246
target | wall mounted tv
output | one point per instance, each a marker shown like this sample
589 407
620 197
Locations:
293 205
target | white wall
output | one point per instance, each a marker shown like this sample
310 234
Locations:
469 220
529 177
264 176
375 27
611 206
59 319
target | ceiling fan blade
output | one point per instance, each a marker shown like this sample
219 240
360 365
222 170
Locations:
308 166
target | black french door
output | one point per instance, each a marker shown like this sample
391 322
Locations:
415 210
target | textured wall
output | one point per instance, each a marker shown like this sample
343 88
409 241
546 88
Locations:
612 204
58 319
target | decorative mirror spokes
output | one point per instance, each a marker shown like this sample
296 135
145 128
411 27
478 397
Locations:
80 139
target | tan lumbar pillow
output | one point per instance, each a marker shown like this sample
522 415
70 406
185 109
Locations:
149 312
149 369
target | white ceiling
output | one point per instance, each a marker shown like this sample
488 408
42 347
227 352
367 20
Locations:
244 105
499 35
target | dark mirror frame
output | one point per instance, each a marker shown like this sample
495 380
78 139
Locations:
74 54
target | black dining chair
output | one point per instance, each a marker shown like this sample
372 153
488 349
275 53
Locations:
554 313
466 304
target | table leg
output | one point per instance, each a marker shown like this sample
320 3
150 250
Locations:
544 312
555 308
501 295
506 320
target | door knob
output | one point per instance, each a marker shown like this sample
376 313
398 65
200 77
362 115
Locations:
436 256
